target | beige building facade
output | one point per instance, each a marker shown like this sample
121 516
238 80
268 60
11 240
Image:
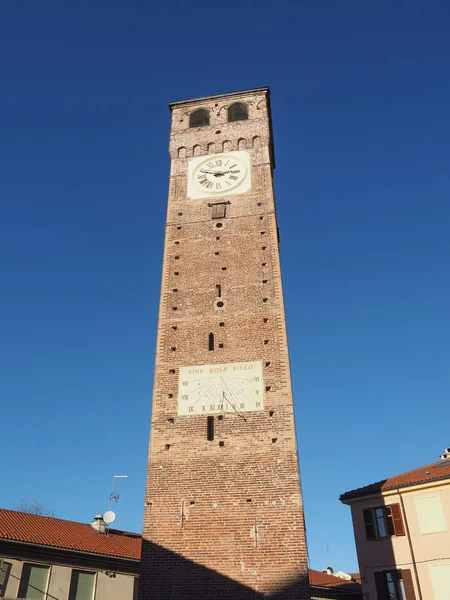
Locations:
402 534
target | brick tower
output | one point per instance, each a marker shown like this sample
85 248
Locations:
223 509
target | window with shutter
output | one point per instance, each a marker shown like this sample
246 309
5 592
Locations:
394 585
218 211
383 521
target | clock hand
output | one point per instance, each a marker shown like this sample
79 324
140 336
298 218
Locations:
216 173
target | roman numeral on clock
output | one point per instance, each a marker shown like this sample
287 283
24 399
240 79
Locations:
206 183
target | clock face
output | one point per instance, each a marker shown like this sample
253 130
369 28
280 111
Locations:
232 388
219 175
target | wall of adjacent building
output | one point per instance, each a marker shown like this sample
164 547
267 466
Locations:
121 587
427 512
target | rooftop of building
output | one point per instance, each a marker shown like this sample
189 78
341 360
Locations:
434 472
69 535
326 580
265 89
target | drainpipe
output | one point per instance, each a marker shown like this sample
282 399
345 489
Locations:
408 535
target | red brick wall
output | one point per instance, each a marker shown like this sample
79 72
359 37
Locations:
205 501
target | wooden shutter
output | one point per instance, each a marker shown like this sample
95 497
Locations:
380 584
397 519
369 524
218 211
408 584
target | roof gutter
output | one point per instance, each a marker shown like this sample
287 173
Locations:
83 552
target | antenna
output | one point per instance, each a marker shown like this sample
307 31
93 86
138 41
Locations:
115 497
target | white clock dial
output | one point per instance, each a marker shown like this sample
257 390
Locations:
219 175
216 389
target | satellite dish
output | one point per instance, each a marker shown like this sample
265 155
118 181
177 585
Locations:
109 517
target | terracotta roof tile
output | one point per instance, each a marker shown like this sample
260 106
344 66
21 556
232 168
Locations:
48 531
319 579
432 472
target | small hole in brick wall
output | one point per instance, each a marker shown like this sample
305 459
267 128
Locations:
220 345
265 299
210 428
175 290
180 214
179 227
268 388
176 273
265 280
167 447
271 413
192 503
177 258
218 237
261 218
174 328
171 372
218 131
174 308
266 342
259 203
224 268
221 444
262 248
216 104
217 253
268 363
265 319
170 395
263 264
263 233
249 499
220 304
219 225
220 417
222 324
177 243
149 504
171 421
274 440
173 349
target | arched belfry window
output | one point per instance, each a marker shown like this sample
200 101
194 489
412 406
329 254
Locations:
199 118
237 112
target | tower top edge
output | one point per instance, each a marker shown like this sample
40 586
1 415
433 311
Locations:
265 89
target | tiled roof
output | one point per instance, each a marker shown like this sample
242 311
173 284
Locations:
58 533
319 579
433 472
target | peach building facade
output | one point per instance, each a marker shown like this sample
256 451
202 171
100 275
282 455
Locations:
402 535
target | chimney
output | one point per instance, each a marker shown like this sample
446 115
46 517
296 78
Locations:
446 455
98 524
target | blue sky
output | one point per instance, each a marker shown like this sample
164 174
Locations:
360 99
